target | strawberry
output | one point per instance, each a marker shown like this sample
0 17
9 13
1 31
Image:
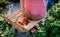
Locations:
21 23
25 21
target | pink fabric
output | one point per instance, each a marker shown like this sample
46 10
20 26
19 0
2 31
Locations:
36 7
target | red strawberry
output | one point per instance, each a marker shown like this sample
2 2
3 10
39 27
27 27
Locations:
25 21
21 23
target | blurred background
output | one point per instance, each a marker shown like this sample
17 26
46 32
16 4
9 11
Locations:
49 28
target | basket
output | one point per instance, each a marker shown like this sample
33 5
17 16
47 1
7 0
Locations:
12 18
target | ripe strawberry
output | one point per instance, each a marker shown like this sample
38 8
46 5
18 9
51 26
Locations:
21 23
25 21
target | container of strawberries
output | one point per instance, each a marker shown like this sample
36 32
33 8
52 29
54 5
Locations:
20 22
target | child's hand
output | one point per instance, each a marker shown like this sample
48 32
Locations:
33 18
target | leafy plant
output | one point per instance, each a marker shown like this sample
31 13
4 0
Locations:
6 29
3 1
1 9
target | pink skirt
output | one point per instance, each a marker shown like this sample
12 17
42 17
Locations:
36 7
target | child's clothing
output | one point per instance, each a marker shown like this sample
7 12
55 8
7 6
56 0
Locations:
36 7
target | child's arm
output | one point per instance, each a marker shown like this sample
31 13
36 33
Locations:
22 5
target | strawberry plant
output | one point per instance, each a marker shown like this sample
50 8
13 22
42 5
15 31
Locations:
3 3
6 29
